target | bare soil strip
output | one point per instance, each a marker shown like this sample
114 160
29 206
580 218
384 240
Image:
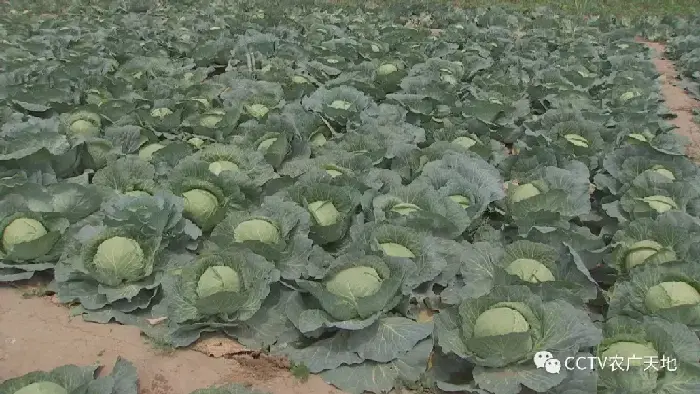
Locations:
37 334
677 100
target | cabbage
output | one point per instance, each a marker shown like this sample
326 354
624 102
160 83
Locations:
530 270
200 205
324 212
525 191
218 279
500 321
218 167
671 294
42 388
257 230
633 352
22 230
120 257
355 282
396 250
146 153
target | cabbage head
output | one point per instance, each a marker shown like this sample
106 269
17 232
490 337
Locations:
84 124
671 294
504 329
146 153
225 286
524 192
42 388
639 342
357 287
258 230
530 270
22 230
119 258
646 251
200 205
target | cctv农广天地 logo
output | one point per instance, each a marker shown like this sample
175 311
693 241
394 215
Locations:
545 360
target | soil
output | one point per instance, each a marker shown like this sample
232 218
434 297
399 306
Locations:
38 334
677 100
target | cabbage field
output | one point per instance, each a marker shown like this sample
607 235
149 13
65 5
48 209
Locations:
430 205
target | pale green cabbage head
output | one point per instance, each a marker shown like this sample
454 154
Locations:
266 144
211 120
200 204
324 212
500 321
341 104
661 170
161 112
257 230
146 153
405 209
218 279
137 193
220 166
85 124
22 230
525 191
196 142
577 140
464 142
671 294
396 250
530 270
42 388
463 201
386 69
299 79
257 110
355 282
120 257
660 204
641 251
631 351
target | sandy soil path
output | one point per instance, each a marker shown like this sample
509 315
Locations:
677 100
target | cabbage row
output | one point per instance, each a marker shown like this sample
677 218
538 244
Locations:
386 206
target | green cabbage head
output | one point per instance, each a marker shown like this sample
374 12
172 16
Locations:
257 110
661 170
630 352
530 270
355 282
386 69
341 104
85 124
525 191
660 204
146 153
42 388
577 140
218 279
396 250
120 257
405 209
500 320
463 201
263 146
671 294
642 251
324 212
211 119
22 230
218 167
200 205
257 230
464 142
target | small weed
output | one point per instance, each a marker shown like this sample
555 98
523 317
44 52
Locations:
300 371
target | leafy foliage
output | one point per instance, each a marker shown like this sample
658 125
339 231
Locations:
389 205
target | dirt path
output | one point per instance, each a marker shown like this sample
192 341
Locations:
36 334
677 100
